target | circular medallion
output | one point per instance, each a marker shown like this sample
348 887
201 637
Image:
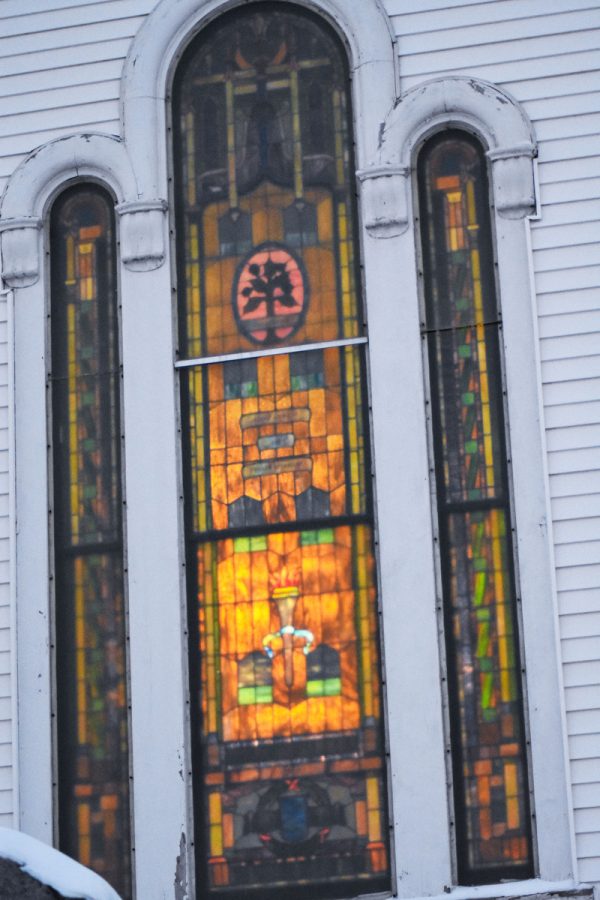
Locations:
270 294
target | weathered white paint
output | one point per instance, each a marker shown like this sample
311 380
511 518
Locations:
8 695
154 566
543 52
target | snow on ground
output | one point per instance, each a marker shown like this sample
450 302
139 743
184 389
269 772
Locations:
53 868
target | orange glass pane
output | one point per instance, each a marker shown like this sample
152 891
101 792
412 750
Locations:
292 659
285 438
286 684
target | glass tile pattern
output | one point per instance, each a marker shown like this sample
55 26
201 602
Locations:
289 692
286 439
485 692
289 763
262 120
92 719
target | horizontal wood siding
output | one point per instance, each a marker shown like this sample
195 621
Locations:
61 62
545 53
60 65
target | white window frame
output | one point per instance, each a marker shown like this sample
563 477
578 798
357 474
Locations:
135 169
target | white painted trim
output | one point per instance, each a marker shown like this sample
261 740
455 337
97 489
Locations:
273 351
136 171
147 74
507 135
476 105
9 295
528 888
551 559
90 157
84 156
33 670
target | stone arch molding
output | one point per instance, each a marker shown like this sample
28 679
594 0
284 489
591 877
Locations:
363 25
98 157
141 188
476 105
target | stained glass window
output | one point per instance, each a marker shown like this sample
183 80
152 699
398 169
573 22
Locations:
463 331
288 741
91 697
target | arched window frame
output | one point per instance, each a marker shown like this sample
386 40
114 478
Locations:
389 184
136 170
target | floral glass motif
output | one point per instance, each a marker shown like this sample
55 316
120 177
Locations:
92 725
462 328
289 771
270 295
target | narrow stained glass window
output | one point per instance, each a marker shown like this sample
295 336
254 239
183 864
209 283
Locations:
493 832
289 774
91 702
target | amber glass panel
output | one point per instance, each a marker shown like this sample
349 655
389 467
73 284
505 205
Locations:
90 610
286 439
486 703
266 206
290 699
289 773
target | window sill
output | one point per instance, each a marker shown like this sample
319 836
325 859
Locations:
532 888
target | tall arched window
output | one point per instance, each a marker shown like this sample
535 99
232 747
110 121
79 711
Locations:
463 330
285 684
90 660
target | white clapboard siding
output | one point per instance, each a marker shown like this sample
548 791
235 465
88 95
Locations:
39 102
579 344
576 530
567 257
562 236
62 60
576 391
506 36
572 484
568 170
66 77
28 18
530 90
573 625
541 58
546 55
584 824
579 674
425 16
546 109
581 601
572 322
61 64
577 413
578 553
582 697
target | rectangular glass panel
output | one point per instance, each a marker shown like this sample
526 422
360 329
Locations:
92 709
488 685
467 399
491 800
94 746
291 712
286 686
285 439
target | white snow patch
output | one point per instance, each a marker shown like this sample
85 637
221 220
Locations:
53 868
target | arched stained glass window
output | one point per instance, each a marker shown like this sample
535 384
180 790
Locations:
91 700
462 325
285 683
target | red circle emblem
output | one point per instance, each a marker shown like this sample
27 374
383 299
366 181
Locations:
270 294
